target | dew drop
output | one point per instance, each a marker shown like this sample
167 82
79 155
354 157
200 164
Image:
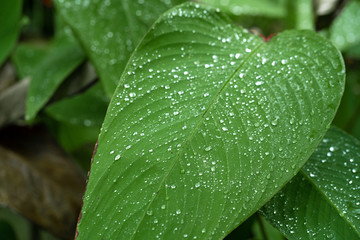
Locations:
208 148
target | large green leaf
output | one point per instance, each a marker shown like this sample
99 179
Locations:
10 13
207 124
323 200
110 30
344 32
64 56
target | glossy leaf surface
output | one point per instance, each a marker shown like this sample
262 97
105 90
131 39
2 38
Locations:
52 71
10 13
323 200
110 30
206 111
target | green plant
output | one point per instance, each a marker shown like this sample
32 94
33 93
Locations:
211 130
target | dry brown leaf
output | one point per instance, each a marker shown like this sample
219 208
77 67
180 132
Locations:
38 180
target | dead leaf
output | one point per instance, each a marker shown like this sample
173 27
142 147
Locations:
38 180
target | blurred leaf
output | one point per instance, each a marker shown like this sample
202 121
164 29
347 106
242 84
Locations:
10 13
323 200
79 141
264 8
300 14
21 226
243 231
27 57
38 180
110 30
87 109
344 31
64 56
79 81
12 103
206 110
353 51
6 231
349 109
262 227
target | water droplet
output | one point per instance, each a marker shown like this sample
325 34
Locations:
197 185
149 212
208 148
117 157
178 211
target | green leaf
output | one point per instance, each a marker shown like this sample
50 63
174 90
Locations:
207 124
64 56
264 230
323 200
76 110
344 32
10 13
27 56
110 31
7 231
266 8
300 14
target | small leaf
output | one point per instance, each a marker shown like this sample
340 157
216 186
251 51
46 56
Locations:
62 59
10 13
110 30
27 57
38 180
76 110
207 111
323 200
344 32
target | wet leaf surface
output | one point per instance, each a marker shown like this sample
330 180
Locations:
38 180
323 200
207 111
110 30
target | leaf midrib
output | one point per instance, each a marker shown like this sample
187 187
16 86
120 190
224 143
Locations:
212 102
